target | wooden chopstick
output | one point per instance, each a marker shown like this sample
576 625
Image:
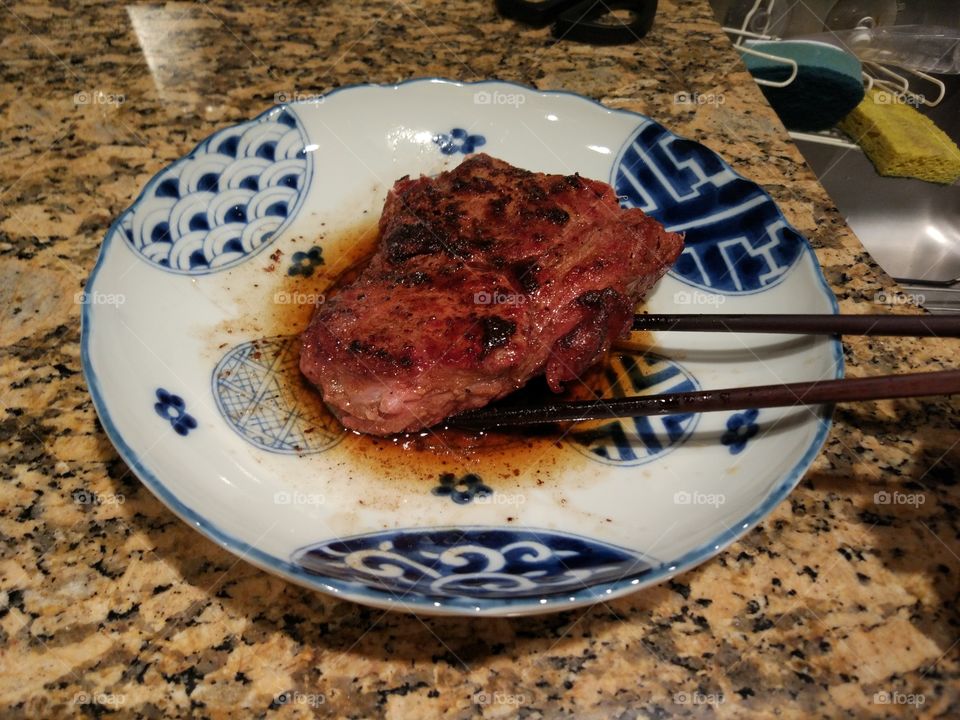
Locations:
945 382
903 325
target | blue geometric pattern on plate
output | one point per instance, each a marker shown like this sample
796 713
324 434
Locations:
736 239
471 562
262 395
226 200
634 441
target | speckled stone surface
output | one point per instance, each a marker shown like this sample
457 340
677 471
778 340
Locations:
833 605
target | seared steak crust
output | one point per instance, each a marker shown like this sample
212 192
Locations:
485 276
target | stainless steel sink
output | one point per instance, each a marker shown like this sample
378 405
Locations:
911 227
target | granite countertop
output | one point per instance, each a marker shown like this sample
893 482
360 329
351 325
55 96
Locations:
833 605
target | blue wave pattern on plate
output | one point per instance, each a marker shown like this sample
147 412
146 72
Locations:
224 201
473 562
737 240
634 441
262 396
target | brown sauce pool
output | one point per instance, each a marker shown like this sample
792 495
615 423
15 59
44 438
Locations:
505 460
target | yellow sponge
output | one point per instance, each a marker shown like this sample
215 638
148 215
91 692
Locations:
900 141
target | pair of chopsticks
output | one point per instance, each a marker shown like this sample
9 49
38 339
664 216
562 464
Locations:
945 382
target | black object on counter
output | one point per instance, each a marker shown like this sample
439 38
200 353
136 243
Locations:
587 21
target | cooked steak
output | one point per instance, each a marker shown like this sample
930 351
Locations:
485 276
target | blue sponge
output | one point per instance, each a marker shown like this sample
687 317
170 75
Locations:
828 84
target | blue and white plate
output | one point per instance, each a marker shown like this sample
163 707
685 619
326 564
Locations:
192 311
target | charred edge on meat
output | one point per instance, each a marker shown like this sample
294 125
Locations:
525 274
570 182
370 350
410 240
414 279
498 206
601 304
496 333
598 299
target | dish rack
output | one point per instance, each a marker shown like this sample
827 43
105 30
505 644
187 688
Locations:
898 80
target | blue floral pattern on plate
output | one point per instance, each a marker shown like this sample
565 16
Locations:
458 140
224 201
461 490
173 409
304 263
472 562
741 428
736 239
